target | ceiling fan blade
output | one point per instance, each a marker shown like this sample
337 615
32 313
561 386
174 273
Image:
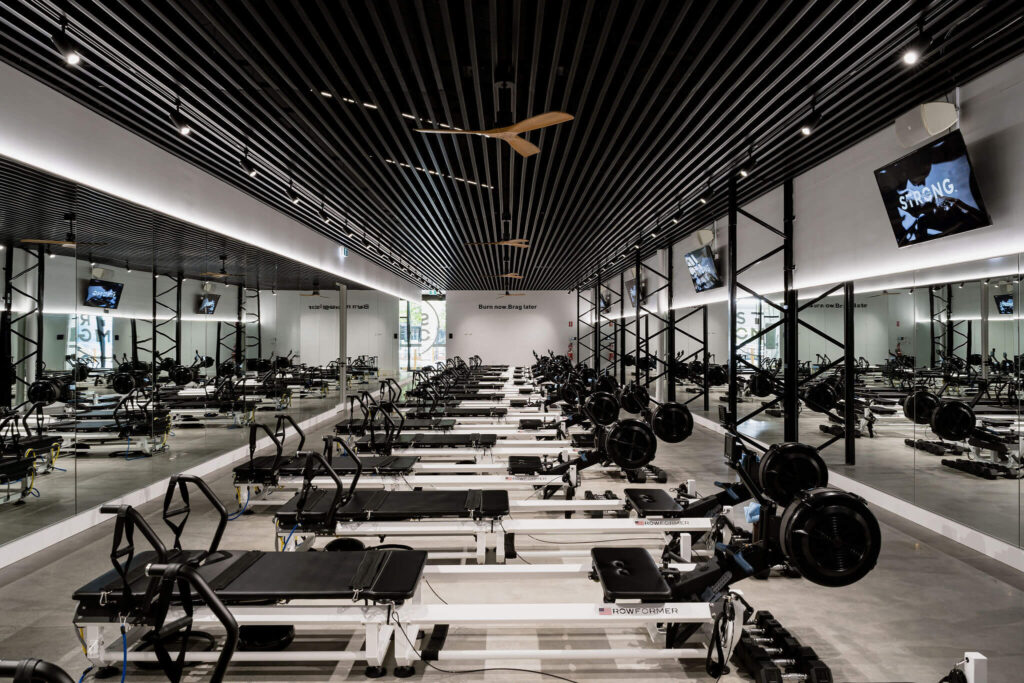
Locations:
216 274
544 120
517 276
29 240
518 242
447 131
524 148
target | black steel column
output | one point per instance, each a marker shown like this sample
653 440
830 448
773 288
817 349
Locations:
177 323
849 375
950 350
597 322
670 343
619 355
706 359
239 329
730 424
40 280
791 326
931 325
636 315
7 381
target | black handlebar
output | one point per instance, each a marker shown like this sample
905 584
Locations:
33 671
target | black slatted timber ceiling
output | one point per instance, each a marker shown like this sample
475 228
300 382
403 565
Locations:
34 205
666 96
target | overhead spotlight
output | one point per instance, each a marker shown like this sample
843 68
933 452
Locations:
92 264
2 247
273 292
986 281
247 164
50 253
324 216
811 122
127 267
654 233
960 286
347 230
293 196
366 242
179 120
916 48
747 167
65 46
325 93
705 196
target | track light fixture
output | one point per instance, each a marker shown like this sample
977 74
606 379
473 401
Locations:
705 196
812 120
65 46
747 167
324 216
366 242
178 119
127 267
50 253
960 286
347 230
246 163
916 48
293 196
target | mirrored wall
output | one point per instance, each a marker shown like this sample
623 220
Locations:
937 370
140 346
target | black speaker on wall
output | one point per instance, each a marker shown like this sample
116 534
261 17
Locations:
396 335
451 335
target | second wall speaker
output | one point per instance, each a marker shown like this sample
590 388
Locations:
923 122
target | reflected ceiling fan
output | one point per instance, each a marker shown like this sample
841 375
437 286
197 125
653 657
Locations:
510 134
70 239
515 276
512 294
518 242
223 272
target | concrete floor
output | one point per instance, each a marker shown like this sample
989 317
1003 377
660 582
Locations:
994 507
88 481
927 602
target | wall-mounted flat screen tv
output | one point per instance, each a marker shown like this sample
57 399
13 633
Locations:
932 192
207 304
1004 304
631 288
703 271
103 294
604 300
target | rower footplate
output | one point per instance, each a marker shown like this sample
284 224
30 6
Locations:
652 503
629 574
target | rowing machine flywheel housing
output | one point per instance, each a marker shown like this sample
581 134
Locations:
631 444
672 422
788 468
602 408
830 536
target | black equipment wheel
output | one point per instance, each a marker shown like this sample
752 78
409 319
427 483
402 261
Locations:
226 368
264 365
631 444
953 420
786 469
282 362
602 408
634 398
167 365
762 384
81 372
571 392
919 406
629 360
672 422
45 391
717 375
207 361
821 397
123 382
607 384
830 536
181 375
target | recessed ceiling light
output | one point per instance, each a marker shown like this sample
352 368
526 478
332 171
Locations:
326 94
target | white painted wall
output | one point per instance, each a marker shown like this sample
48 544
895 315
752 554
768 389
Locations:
508 329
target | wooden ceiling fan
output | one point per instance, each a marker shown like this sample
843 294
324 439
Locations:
510 134
518 242
70 239
515 276
223 272
508 294
315 292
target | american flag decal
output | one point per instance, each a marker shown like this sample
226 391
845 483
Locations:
638 522
604 611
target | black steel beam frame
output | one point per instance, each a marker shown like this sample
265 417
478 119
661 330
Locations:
788 390
253 317
167 332
586 326
608 342
32 351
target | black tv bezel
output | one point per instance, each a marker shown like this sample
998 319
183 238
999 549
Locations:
714 259
975 189
642 292
199 302
96 281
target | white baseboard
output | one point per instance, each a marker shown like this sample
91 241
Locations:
989 546
21 548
